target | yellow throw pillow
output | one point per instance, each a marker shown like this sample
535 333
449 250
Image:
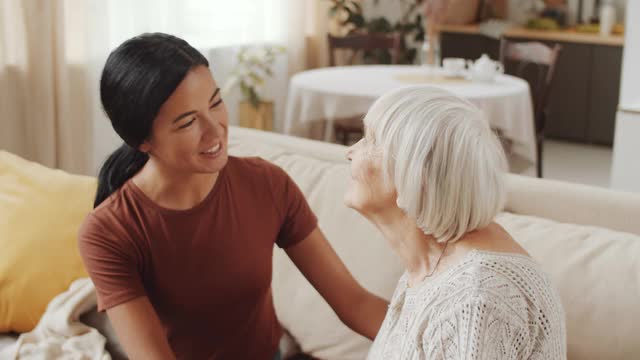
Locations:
41 210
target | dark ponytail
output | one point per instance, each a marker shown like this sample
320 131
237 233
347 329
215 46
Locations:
119 167
138 77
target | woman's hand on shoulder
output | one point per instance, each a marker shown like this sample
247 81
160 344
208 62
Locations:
359 309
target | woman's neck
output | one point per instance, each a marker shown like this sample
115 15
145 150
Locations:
171 189
418 252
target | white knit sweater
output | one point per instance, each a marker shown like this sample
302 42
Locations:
490 306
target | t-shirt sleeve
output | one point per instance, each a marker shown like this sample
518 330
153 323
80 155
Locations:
298 220
111 263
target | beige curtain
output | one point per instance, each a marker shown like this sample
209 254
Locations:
43 89
306 40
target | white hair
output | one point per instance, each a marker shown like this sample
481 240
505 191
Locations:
444 160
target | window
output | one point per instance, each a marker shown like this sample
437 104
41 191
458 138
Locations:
203 23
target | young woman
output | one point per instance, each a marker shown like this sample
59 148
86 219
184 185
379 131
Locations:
179 245
429 174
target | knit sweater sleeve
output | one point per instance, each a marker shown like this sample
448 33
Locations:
478 326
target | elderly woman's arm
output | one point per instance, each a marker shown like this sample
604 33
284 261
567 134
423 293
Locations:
359 309
478 326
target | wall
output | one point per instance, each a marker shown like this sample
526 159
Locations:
105 140
625 169
387 8
625 173
630 89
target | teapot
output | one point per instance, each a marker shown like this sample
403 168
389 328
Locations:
484 69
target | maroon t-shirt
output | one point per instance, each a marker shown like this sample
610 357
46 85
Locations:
206 270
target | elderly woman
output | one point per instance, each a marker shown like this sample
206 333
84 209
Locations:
429 174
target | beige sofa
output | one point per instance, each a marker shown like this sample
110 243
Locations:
594 263
586 238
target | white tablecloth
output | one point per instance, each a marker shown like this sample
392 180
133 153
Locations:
329 93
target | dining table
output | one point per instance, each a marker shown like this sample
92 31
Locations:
323 95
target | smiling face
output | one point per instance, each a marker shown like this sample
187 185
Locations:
189 134
368 192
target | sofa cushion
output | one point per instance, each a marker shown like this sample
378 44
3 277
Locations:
596 270
40 212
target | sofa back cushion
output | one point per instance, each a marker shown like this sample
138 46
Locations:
597 272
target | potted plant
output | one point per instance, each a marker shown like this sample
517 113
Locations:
254 65
349 16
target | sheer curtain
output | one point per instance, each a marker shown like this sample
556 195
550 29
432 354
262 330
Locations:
52 53
44 101
210 24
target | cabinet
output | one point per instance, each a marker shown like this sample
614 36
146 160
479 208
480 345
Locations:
606 71
584 100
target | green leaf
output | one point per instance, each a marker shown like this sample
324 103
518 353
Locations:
379 25
410 56
256 79
354 7
384 56
244 88
254 98
358 20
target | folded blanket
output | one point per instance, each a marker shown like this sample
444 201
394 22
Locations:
60 334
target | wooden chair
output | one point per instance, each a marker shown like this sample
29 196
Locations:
345 128
536 63
360 43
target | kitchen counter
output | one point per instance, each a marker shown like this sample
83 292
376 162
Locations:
548 35
583 101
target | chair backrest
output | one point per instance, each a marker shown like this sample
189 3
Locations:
536 63
362 43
